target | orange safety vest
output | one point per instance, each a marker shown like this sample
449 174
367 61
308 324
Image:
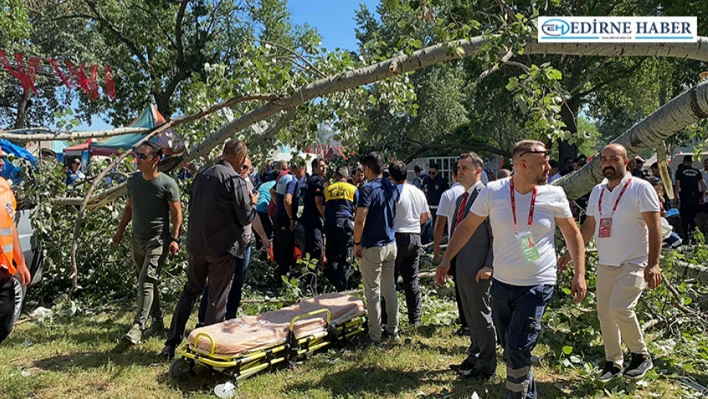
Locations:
8 204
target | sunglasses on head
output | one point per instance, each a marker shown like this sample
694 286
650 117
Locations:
545 153
140 155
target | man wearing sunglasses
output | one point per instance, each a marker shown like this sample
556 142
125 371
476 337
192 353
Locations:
152 197
523 213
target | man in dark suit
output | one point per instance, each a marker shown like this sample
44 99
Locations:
473 266
220 209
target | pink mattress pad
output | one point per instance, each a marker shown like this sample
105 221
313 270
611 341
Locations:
249 333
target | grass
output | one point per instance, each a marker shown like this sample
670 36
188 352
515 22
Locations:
76 359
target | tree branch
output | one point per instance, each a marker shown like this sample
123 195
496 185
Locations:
179 42
18 136
592 75
293 52
614 78
119 35
452 146
50 134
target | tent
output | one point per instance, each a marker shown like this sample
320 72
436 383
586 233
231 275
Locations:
149 119
77 150
9 170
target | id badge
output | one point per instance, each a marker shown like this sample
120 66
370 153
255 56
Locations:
528 246
605 228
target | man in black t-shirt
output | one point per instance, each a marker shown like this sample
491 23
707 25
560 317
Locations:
313 210
691 189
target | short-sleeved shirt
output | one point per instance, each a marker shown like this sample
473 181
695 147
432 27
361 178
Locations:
434 188
690 178
448 200
315 188
629 236
510 266
340 201
410 207
151 208
264 196
379 196
286 184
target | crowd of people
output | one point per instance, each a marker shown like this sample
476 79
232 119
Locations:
501 252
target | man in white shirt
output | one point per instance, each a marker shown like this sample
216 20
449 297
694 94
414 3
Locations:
411 212
481 361
523 212
446 211
623 216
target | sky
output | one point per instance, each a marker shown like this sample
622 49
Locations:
333 19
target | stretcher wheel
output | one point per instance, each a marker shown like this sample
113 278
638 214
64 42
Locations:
180 369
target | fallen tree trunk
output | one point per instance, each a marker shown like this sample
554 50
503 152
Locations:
688 270
658 125
679 113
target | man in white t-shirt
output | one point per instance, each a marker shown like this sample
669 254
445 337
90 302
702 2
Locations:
623 216
444 217
523 212
411 212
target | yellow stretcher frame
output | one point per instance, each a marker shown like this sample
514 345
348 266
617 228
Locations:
246 364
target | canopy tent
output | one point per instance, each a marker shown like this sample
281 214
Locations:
149 119
9 170
77 150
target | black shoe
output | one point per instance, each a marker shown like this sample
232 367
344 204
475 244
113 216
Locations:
639 366
464 366
387 336
168 352
476 374
463 331
609 372
366 341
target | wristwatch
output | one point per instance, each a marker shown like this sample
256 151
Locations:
177 240
357 243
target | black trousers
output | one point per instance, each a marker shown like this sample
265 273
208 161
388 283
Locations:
313 238
458 299
339 251
268 228
407 266
219 270
7 304
688 212
284 244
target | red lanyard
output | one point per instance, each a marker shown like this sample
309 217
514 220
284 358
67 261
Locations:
599 205
513 205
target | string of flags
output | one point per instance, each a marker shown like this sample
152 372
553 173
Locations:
74 76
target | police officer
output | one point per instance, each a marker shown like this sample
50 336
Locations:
691 189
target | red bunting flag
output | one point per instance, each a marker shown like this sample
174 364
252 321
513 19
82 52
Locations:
26 79
93 82
76 76
109 88
62 75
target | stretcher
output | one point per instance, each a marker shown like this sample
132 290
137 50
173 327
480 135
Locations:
247 345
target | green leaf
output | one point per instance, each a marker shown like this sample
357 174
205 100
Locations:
567 349
554 74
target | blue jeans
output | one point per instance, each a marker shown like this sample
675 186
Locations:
426 232
235 292
517 312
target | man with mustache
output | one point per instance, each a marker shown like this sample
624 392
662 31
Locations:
523 213
623 216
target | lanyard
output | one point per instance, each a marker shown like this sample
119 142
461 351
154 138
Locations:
513 205
619 197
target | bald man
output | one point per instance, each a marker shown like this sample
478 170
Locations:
623 216
523 213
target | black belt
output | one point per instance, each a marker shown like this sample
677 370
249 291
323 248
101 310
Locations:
407 234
